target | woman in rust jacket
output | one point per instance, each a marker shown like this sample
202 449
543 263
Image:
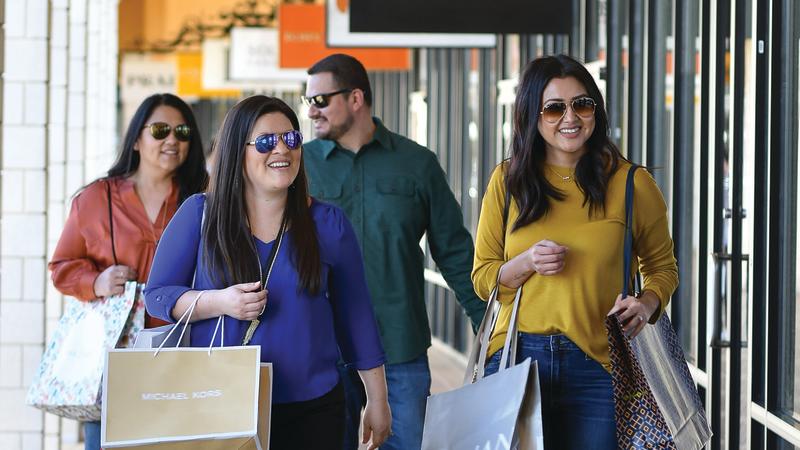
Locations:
160 165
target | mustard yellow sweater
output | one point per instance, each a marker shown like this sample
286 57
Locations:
575 301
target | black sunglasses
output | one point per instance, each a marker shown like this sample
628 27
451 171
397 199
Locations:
160 130
266 143
323 100
583 107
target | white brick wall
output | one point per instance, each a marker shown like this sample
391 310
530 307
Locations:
27 62
11 281
23 147
11 362
13 107
35 103
57 121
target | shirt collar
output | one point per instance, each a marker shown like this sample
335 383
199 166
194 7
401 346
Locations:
381 136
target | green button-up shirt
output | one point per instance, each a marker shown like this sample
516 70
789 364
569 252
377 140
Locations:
394 191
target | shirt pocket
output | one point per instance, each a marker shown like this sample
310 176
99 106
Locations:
396 208
401 186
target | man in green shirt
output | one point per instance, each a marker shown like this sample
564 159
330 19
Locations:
393 191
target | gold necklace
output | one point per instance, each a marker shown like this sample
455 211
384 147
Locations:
564 178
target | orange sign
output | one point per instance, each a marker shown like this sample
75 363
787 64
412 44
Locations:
302 42
190 78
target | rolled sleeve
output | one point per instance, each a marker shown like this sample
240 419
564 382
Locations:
355 324
174 264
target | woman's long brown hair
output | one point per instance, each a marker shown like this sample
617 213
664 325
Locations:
525 178
229 247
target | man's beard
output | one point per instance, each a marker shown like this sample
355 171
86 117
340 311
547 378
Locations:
337 131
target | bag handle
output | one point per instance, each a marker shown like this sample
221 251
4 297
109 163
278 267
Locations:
187 315
628 246
111 223
480 345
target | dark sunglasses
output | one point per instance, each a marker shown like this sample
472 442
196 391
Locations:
266 143
323 100
583 107
160 130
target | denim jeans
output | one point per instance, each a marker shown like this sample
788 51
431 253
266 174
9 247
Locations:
91 435
577 396
409 385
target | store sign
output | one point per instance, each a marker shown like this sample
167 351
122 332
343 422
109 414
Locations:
254 56
142 75
190 78
302 42
339 33
215 71
464 16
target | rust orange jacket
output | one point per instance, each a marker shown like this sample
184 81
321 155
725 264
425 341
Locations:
84 248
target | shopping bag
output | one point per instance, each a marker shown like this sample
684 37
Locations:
181 398
500 411
135 322
182 395
156 337
656 402
264 405
67 382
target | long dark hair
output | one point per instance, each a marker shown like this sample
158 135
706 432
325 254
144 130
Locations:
230 250
191 175
525 178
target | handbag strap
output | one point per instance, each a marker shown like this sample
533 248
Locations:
111 222
628 247
477 359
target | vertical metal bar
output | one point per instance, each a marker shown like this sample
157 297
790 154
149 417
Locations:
705 180
561 44
591 51
615 29
656 86
737 177
783 151
489 123
577 37
549 46
720 154
683 161
760 223
636 39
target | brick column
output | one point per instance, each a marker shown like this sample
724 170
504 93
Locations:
22 238
58 128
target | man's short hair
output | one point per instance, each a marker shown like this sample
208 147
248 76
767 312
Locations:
348 73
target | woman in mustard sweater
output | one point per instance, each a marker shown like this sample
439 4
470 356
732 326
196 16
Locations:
563 245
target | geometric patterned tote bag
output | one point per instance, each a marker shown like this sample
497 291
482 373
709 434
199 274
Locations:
656 402
640 423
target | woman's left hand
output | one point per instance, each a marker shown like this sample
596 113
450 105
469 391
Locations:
377 423
634 313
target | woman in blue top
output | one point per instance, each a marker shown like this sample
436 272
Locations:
316 301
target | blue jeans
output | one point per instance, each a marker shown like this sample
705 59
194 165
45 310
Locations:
409 386
577 396
91 435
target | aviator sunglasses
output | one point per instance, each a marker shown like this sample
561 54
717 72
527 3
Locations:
583 107
160 130
266 143
322 100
